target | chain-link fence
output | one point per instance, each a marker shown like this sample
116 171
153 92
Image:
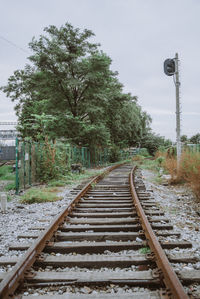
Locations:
32 158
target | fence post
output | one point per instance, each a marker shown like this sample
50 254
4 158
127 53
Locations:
30 163
89 161
16 167
100 157
82 156
24 163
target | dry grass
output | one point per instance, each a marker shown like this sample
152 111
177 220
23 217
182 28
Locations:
189 170
160 154
170 164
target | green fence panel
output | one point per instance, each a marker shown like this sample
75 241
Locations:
31 155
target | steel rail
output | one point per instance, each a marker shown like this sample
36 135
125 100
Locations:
174 287
16 276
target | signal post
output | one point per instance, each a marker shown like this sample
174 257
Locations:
171 67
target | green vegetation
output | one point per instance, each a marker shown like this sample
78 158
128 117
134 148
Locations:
145 250
37 195
10 186
71 178
6 173
69 91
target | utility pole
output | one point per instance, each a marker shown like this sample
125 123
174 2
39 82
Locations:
171 68
178 121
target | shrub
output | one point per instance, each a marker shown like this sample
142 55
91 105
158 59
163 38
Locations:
114 154
52 161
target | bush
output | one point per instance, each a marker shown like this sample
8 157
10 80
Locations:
52 161
114 154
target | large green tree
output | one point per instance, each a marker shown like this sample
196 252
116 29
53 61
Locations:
69 84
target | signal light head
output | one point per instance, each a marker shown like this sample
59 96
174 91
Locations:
169 67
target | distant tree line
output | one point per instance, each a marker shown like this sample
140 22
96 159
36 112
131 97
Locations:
69 91
195 139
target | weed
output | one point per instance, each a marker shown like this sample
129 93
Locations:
145 250
35 195
9 198
150 165
6 173
93 185
158 180
59 183
10 186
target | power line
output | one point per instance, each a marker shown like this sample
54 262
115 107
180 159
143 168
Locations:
13 44
8 123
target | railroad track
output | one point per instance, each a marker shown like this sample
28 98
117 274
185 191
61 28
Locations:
95 248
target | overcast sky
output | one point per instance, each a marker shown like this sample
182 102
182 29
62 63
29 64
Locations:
138 35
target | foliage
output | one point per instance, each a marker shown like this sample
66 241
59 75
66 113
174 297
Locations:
138 159
150 165
195 139
144 152
6 173
51 160
114 154
184 138
153 142
36 195
160 160
10 186
145 250
69 90
71 178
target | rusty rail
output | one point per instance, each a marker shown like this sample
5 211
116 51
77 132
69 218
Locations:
16 276
174 288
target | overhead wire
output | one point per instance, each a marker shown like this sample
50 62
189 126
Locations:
13 44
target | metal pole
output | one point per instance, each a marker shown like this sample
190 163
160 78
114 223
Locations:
178 127
16 167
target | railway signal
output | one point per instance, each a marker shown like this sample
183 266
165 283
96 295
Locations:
171 68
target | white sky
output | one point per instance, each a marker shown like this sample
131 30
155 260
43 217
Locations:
138 35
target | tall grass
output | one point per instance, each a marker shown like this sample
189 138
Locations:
6 173
189 170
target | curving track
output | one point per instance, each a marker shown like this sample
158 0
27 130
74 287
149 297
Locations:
94 248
